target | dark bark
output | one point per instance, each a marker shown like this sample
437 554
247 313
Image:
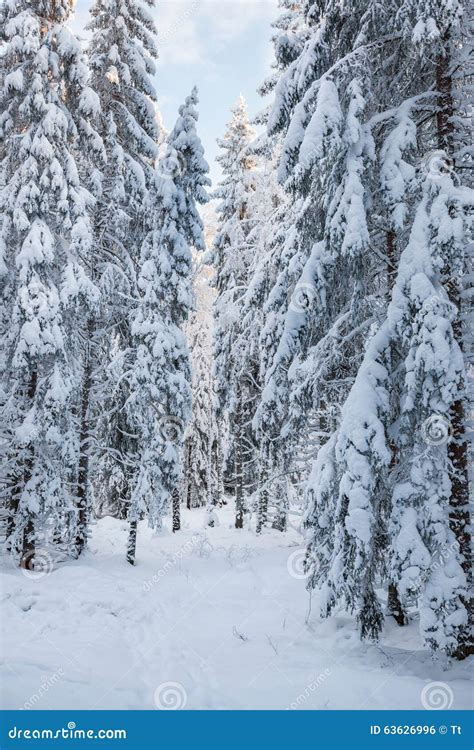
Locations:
445 110
460 517
209 489
120 495
459 513
238 469
189 482
458 453
12 509
220 494
176 510
239 491
238 479
28 542
262 511
132 542
394 602
188 496
392 261
394 605
280 522
29 546
83 474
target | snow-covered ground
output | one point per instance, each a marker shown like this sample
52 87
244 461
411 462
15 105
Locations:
208 619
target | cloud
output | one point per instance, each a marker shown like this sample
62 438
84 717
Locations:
179 40
231 19
192 31
80 18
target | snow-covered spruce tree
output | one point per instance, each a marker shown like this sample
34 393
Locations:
46 241
416 538
318 116
330 288
398 495
159 379
201 435
435 393
265 238
122 50
231 258
322 297
198 450
430 499
345 555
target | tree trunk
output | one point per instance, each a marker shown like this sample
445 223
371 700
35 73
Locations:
210 504
176 510
220 495
445 111
12 508
458 452
238 463
239 494
28 542
132 542
459 517
262 510
29 547
392 261
394 602
83 474
238 468
280 522
394 605
188 472
188 495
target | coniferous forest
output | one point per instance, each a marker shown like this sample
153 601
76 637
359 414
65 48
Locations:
236 418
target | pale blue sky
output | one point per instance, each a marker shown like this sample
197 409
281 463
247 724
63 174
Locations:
222 46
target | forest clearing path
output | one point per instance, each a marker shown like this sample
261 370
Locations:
208 618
